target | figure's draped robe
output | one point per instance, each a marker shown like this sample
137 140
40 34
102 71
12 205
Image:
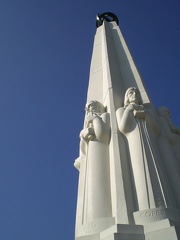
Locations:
97 195
141 134
169 144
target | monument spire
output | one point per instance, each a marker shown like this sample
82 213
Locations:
129 157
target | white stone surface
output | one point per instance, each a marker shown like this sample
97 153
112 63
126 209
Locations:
156 214
165 234
140 128
123 229
129 156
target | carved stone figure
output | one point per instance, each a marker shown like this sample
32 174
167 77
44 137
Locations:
170 147
93 163
128 173
168 125
139 126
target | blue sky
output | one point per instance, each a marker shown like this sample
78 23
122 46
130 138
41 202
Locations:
45 53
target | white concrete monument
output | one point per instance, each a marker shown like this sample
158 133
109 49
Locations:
129 157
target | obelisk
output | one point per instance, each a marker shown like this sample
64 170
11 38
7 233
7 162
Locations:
129 157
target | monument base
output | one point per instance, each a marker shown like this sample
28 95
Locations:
161 230
94 227
118 232
156 214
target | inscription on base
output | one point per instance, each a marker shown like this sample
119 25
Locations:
158 214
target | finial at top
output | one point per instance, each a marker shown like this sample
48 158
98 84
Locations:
108 16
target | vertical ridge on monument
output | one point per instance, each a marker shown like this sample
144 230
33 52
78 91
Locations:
129 157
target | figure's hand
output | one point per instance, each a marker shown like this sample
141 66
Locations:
137 110
87 134
89 119
132 107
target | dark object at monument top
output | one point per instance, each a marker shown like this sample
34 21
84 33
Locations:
108 16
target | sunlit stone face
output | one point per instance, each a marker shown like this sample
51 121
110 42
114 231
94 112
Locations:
134 96
92 107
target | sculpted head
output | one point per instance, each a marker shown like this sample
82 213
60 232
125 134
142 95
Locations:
163 112
95 107
132 95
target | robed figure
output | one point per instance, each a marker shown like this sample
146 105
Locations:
140 127
94 200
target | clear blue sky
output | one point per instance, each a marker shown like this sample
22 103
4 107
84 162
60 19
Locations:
45 53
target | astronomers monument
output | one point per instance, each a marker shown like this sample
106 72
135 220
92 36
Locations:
129 154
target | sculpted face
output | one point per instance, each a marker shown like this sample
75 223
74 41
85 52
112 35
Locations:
95 107
133 96
92 107
164 111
